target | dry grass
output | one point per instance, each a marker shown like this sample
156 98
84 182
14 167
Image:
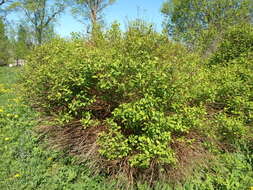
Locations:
75 140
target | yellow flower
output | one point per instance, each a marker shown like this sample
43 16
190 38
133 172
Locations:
16 116
16 100
1 110
50 158
251 188
6 139
17 175
8 115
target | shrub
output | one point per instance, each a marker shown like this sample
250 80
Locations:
130 84
231 128
236 41
146 91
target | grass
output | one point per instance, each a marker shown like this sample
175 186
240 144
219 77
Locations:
8 77
26 163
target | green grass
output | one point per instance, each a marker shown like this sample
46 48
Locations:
25 163
8 77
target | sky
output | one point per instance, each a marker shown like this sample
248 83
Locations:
122 11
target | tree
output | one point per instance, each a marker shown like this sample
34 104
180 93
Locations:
194 20
4 2
91 10
7 6
22 43
41 14
3 7
4 54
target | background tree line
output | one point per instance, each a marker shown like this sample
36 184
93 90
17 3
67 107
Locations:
37 23
197 23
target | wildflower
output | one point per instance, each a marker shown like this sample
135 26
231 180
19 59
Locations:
1 110
16 100
6 139
16 116
17 175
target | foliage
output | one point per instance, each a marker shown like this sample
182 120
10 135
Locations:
237 40
4 43
149 93
41 14
200 23
22 43
148 107
91 10
147 90
231 171
6 6
2 89
129 72
26 162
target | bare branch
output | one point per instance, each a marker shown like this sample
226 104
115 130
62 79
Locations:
41 15
91 9
2 2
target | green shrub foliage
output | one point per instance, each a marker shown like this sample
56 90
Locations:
146 90
237 41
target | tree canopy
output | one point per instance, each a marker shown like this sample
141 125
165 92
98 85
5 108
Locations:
4 52
188 20
22 43
91 10
41 14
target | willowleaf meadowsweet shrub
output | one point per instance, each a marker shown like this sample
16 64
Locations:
147 92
